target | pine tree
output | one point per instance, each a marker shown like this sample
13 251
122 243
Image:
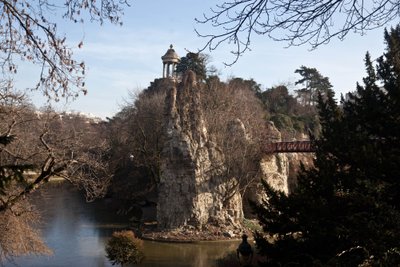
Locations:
346 210
195 62
314 83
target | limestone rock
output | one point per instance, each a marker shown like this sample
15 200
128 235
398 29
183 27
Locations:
279 170
275 170
192 189
273 134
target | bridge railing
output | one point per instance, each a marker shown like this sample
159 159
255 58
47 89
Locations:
290 147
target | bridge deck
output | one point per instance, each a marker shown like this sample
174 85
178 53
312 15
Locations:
290 147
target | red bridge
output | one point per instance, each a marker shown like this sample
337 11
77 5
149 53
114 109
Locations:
290 147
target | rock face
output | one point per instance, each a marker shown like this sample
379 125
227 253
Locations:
192 188
279 170
275 168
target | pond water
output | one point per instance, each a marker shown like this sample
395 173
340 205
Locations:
77 231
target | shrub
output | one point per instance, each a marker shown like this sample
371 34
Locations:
123 247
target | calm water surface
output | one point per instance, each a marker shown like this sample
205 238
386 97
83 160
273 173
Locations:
77 231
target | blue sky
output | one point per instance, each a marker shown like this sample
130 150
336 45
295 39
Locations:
127 58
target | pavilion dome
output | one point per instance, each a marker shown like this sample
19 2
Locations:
171 56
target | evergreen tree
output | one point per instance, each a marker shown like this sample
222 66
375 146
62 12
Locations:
244 83
345 211
314 83
193 61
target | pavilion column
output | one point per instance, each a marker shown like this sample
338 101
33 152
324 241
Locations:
173 69
168 67
163 72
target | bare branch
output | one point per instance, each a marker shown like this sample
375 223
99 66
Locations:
293 22
27 33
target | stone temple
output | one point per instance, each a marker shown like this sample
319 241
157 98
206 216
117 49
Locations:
170 60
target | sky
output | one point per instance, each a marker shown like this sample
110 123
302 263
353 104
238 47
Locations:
123 59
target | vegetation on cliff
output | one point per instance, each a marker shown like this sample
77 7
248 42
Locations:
345 211
230 111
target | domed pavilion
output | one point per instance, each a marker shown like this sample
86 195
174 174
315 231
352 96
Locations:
170 60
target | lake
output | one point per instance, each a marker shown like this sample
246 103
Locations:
77 231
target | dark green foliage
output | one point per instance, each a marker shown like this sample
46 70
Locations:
289 115
314 83
195 62
10 172
246 84
123 248
282 121
278 100
346 210
6 139
230 260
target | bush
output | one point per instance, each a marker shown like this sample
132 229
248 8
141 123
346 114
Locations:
282 122
123 247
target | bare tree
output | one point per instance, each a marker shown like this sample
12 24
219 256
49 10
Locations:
236 119
19 234
136 138
35 147
28 33
46 145
81 143
234 116
294 22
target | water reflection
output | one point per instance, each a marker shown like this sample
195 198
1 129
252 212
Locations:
76 231
185 255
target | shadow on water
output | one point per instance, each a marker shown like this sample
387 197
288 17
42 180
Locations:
77 231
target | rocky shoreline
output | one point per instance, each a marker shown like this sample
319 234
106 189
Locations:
191 235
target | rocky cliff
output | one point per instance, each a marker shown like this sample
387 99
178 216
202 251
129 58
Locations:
193 190
279 170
